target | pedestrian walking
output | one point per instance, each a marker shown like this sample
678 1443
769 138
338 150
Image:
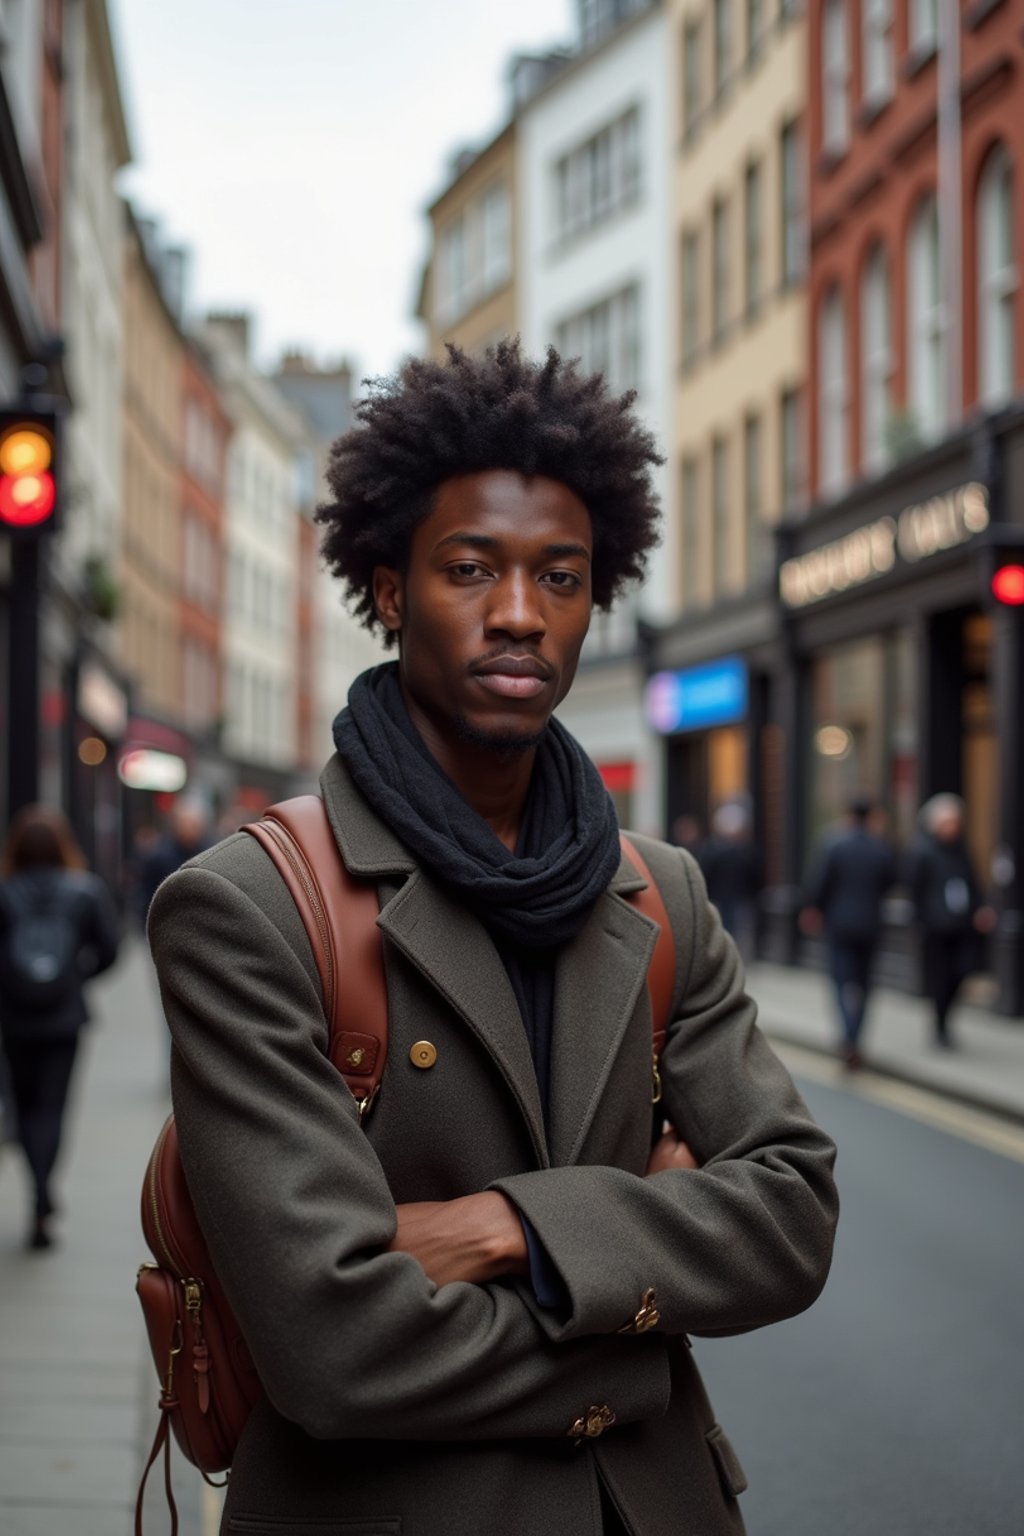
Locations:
470 1306
732 871
853 869
950 908
58 928
157 857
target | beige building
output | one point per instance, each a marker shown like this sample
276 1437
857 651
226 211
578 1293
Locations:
739 231
468 290
150 574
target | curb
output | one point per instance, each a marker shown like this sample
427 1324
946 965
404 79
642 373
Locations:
966 1096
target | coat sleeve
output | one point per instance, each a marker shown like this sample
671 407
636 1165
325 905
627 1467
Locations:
744 1240
349 1340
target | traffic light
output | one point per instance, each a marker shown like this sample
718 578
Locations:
999 553
28 471
1007 584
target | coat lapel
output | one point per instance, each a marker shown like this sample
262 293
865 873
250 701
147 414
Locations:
454 952
599 980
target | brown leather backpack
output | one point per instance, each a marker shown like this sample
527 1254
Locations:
208 1382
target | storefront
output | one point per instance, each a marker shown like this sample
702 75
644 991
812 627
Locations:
901 678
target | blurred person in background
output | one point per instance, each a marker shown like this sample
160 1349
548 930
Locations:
58 928
853 869
187 835
732 871
687 832
949 906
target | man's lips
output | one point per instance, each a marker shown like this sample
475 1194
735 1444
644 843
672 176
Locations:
513 677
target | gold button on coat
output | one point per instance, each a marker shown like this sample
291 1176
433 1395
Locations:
423 1054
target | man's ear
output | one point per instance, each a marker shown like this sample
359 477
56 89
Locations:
388 597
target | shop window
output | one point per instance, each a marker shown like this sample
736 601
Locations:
926 338
876 360
835 79
997 278
833 398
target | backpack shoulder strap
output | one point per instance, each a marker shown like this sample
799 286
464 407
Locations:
661 973
340 916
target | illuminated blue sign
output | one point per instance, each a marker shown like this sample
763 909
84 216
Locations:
697 698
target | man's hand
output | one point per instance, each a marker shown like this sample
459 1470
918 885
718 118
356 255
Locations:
475 1238
670 1152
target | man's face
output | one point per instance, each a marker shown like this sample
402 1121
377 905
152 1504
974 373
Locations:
493 607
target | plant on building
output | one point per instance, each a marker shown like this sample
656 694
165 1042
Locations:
102 593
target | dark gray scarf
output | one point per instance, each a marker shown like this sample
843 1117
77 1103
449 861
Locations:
538 896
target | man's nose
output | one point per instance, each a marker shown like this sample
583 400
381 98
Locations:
515 607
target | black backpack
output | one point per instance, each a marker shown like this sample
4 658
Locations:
40 951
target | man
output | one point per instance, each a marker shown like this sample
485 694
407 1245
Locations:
732 872
951 912
158 857
470 1314
853 872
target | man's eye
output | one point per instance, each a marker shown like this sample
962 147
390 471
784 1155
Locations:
466 568
564 579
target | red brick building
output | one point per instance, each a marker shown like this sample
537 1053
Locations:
877 183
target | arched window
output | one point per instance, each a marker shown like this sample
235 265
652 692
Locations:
925 321
835 78
997 278
875 359
832 394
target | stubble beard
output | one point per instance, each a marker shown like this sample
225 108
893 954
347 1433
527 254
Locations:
503 744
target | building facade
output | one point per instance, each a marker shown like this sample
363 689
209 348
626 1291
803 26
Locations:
904 678
738 92
259 634
593 278
468 292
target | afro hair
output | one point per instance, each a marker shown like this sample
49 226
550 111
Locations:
433 421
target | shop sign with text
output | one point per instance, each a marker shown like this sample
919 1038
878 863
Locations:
942 522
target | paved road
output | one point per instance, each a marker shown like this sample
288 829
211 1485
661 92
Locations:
896 1406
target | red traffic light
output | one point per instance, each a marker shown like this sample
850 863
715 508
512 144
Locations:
28 491
1008 585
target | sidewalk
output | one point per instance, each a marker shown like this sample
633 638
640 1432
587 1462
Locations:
986 1069
77 1386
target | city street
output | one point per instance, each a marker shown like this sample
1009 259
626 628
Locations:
894 1407
891 1409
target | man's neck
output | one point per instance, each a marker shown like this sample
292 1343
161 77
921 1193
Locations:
494 783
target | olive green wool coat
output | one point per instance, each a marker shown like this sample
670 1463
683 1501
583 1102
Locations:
397 1408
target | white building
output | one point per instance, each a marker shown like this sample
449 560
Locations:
593 268
96 147
261 543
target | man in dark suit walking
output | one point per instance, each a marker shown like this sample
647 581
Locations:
853 871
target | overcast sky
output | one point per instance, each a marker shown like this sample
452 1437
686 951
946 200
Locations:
294 144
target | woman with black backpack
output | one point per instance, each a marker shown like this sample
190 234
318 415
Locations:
58 927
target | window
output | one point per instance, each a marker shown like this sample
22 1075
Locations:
924 25
599 177
720 269
720 511
876 360
723 43
606 338
691 532
755 27
752 234
691 76
877 50
832 407
792 205
752 500
835 78
997 278
791 450
496 255
691 297
926 321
